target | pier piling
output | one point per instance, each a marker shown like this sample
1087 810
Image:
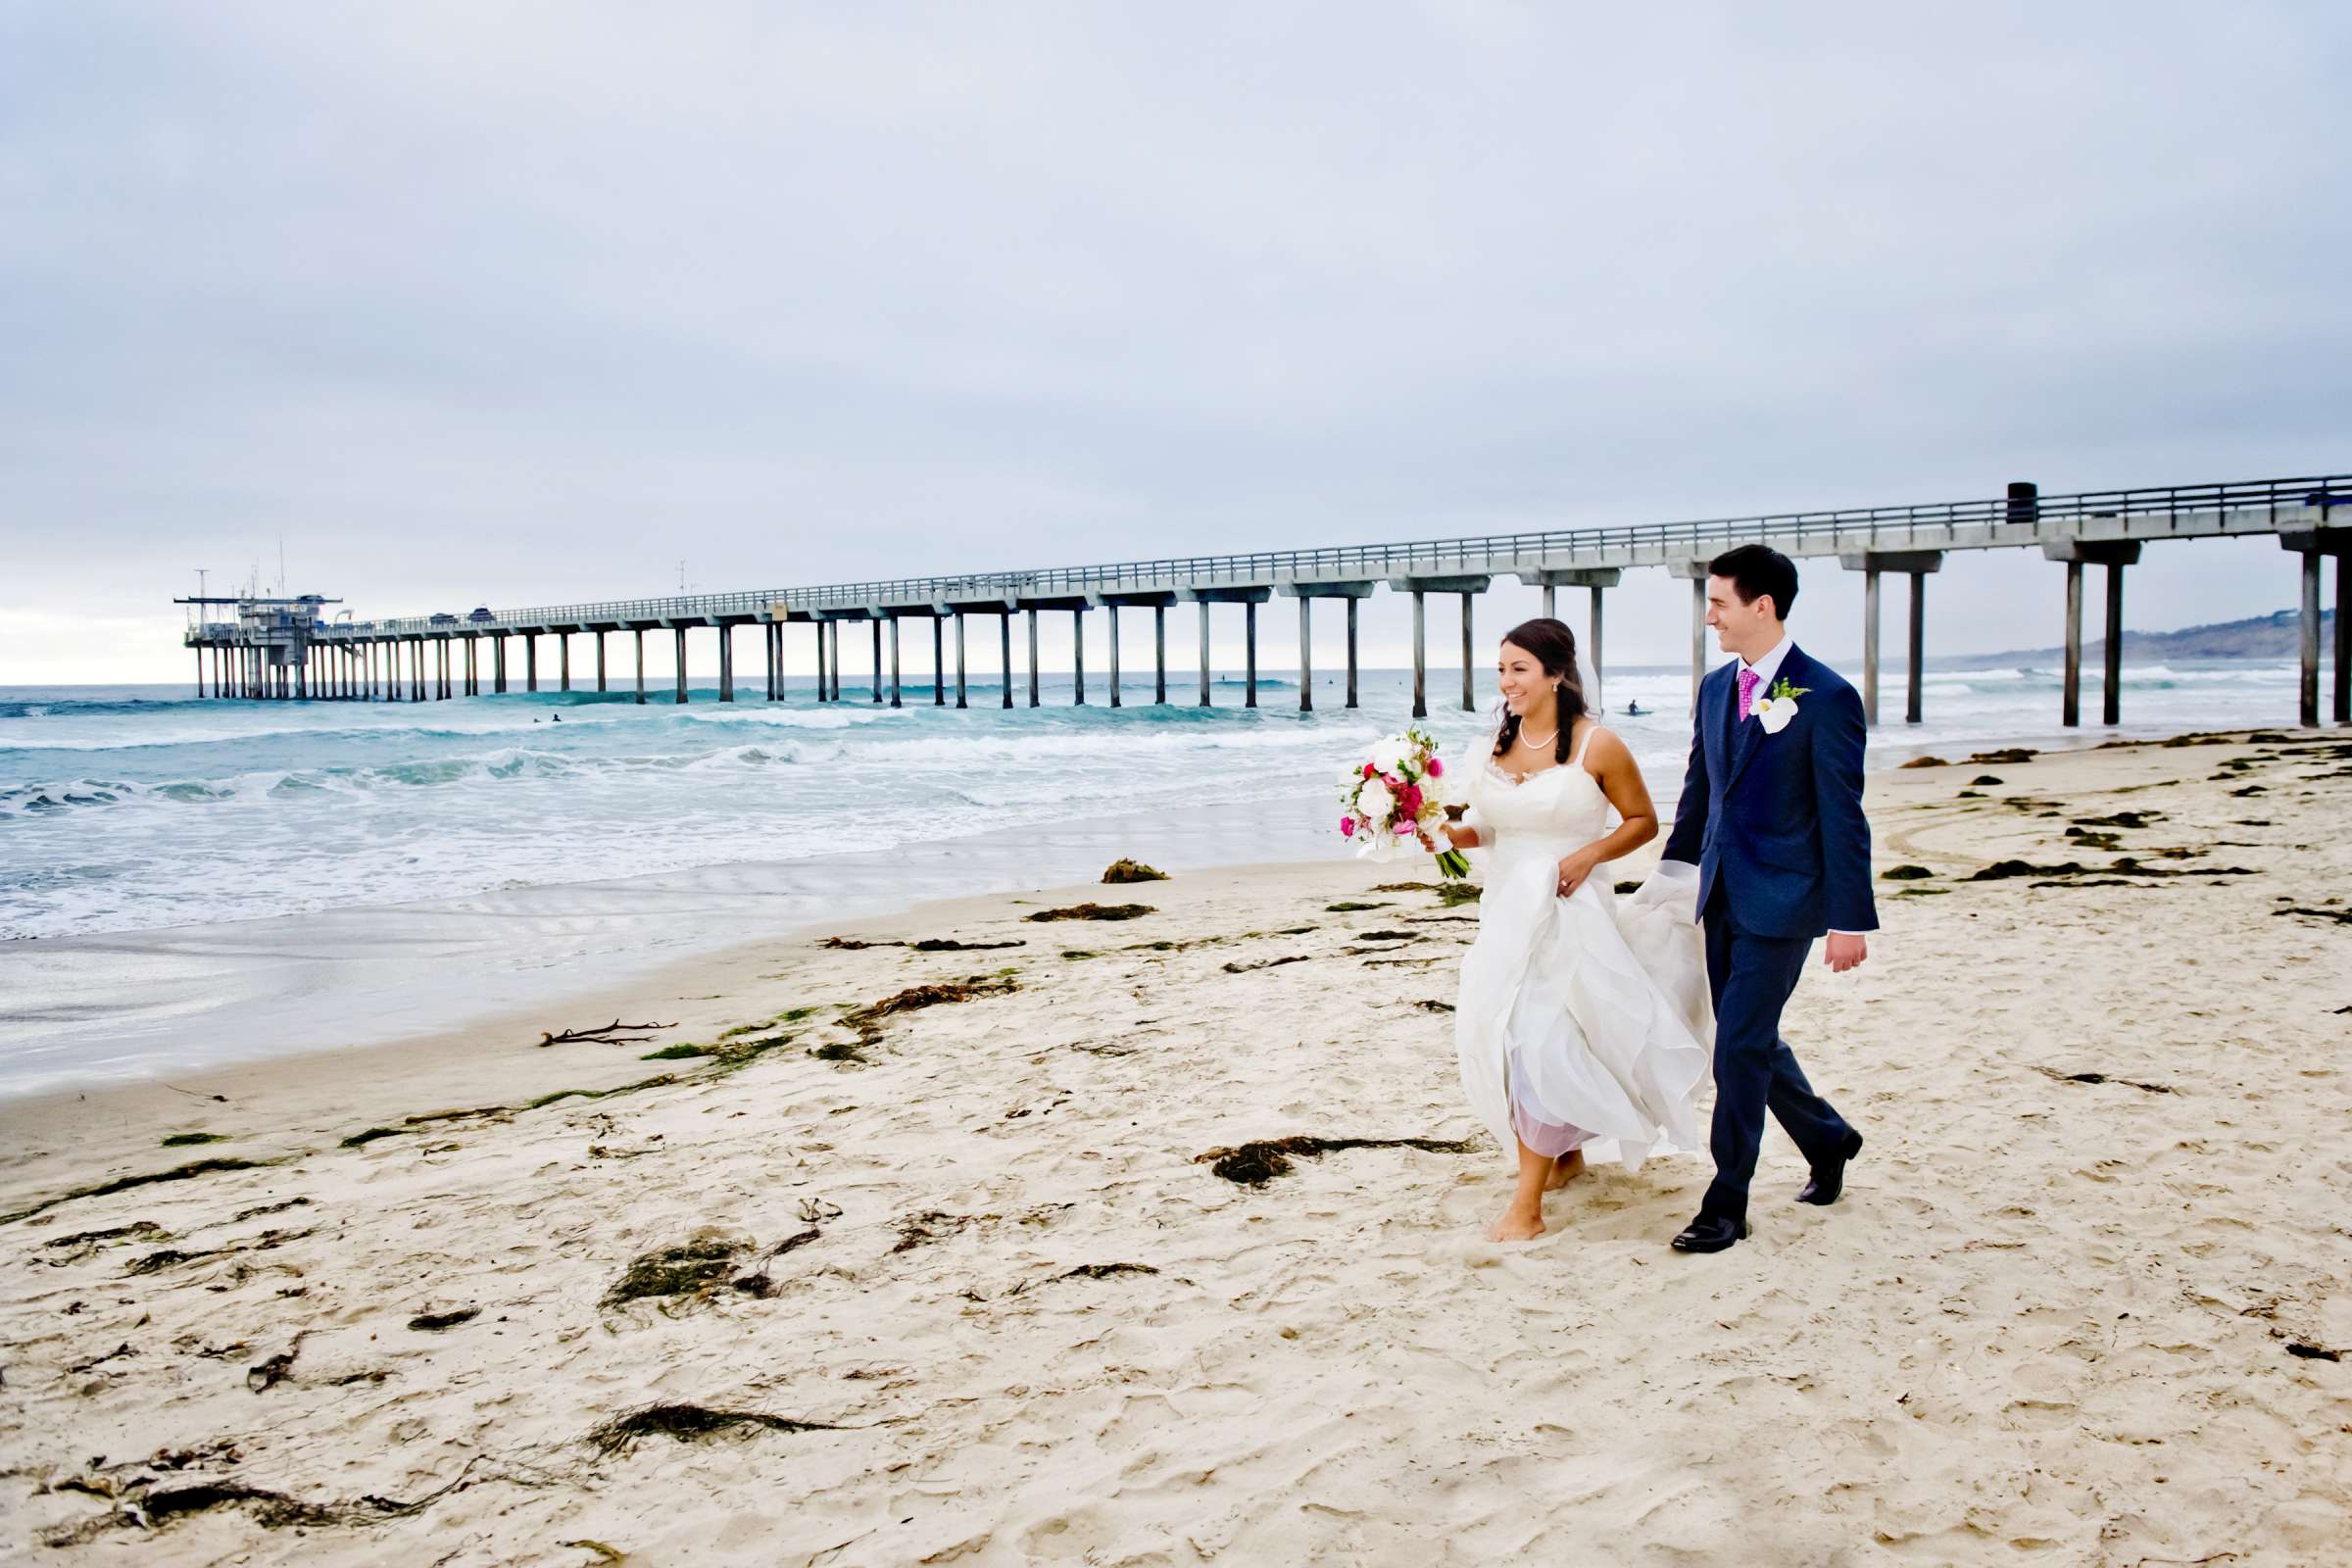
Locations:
1351 603
1032 658
2114 554
1249 599
1469 587
2343 643
1077 659
1915 697
1307 592
1870 648
1112 611
1204 702
1306 653
2070 693
1469 657
1250 640
1916 565
1592 652
2314 547
1697 571
2307 685
1420 655
959 662
1598 579
2111 696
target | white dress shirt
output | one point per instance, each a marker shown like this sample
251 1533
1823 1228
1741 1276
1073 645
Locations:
1768 667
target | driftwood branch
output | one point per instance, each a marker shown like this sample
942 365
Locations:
615 1033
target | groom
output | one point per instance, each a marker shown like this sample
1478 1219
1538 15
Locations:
1770 815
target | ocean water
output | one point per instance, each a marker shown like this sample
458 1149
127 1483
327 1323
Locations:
160 855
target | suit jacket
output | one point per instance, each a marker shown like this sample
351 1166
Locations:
1778 819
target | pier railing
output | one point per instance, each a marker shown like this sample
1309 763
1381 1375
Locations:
1854 527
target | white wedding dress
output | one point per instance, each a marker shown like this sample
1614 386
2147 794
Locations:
1583 1022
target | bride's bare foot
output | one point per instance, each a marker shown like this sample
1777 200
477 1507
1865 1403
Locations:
1516 1226
1565 1169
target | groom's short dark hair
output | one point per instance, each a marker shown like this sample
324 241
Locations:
1756 571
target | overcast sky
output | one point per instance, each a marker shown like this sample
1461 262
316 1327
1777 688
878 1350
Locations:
525 303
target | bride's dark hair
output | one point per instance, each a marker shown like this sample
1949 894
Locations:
1553 645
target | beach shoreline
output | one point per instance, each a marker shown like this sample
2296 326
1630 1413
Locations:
308 1093
81 1011
84 1013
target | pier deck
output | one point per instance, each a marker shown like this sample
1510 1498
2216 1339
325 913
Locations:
2310 517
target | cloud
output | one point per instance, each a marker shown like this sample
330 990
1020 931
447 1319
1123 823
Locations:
524 302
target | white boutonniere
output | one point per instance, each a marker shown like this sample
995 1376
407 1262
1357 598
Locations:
1778 707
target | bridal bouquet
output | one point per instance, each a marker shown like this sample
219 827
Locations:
1395 794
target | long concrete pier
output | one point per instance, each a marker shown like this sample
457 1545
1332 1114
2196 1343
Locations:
272 653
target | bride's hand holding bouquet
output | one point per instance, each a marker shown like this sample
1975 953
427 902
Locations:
1397 796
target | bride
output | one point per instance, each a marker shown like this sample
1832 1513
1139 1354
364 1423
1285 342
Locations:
1583 1025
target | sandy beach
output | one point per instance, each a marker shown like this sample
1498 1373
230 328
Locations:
934 1245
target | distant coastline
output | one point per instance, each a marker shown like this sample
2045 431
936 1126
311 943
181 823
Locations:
2273 636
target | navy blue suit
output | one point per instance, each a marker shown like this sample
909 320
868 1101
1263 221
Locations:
1775 825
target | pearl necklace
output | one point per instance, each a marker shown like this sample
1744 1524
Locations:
1538 745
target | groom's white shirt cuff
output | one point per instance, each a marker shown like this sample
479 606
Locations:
1684 870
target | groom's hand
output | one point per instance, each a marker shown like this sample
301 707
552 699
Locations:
1845 951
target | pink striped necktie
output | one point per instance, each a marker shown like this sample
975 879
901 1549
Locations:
1749 680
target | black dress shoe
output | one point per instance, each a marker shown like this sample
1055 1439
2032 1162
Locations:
1710 1233
1829 1179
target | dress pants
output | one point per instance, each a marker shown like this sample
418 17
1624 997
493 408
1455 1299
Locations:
1751 978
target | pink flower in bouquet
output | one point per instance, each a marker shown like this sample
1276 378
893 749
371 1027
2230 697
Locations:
1395 785
1435 769
1346 827
1409 801
1370 771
